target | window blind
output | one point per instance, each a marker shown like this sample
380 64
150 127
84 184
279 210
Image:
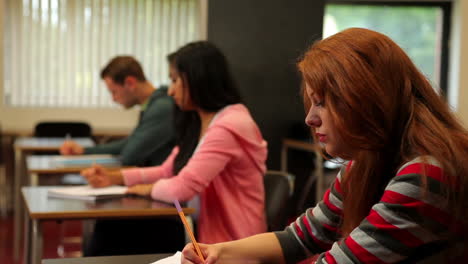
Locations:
54 49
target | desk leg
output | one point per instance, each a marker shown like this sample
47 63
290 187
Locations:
190 223
319 191
18 203
36 242
33 179
27 241
284 158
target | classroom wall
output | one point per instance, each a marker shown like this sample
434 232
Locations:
262 40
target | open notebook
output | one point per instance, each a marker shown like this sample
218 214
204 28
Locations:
87 192
83 161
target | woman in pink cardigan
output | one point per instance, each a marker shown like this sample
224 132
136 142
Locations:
220 153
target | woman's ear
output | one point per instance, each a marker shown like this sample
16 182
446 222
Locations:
183 78
185 86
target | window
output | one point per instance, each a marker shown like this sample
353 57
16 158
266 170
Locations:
54 49
421 29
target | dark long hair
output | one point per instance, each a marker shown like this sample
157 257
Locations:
388 113
210 85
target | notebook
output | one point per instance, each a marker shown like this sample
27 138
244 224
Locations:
86 192
84 161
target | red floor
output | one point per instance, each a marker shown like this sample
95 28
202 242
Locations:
51 232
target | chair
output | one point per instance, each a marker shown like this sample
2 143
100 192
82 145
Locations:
278 191
62 129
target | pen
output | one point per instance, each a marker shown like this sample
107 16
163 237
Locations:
189 231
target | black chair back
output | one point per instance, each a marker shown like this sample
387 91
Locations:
278 186
61 129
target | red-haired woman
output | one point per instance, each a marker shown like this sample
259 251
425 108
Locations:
402 198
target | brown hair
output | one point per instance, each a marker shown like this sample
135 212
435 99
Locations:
121 67
388 113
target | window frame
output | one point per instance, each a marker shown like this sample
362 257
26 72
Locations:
446 7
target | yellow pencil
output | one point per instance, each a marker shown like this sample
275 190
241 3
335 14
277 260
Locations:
189 231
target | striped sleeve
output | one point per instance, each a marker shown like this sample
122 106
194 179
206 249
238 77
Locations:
317 229
406 220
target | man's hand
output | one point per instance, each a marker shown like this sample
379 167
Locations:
71 148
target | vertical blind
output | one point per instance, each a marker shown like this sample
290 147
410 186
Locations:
54 49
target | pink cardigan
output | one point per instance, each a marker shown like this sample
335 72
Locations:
226 171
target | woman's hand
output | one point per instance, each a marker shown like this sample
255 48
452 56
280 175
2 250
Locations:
97 176
211 254
141 189
261 248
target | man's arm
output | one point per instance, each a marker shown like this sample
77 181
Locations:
113 148
153 138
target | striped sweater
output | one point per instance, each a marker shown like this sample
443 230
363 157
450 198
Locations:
405 226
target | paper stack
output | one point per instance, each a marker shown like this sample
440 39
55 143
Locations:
86 192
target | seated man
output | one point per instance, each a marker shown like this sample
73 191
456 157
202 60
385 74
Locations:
148 145
153 138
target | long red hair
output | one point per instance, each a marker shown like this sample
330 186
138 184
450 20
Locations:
388 113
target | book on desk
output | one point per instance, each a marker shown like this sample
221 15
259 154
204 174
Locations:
83 161
86 192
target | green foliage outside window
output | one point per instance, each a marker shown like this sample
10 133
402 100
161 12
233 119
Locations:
416 29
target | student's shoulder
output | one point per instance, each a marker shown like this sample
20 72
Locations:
422 165
235 116
421 171
160 100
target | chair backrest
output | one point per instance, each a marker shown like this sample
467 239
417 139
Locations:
61 129
278 186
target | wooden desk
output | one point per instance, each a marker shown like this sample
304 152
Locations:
317 174
24 146
28 144
43 164
39 208
133 259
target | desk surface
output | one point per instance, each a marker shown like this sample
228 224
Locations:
42 207
134 259
97 132
47 144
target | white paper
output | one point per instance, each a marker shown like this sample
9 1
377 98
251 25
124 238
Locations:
174 259
86 192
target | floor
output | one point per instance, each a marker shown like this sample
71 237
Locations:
52 230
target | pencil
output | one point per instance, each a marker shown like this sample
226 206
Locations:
189 231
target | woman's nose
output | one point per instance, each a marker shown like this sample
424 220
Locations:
313 120
170 91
